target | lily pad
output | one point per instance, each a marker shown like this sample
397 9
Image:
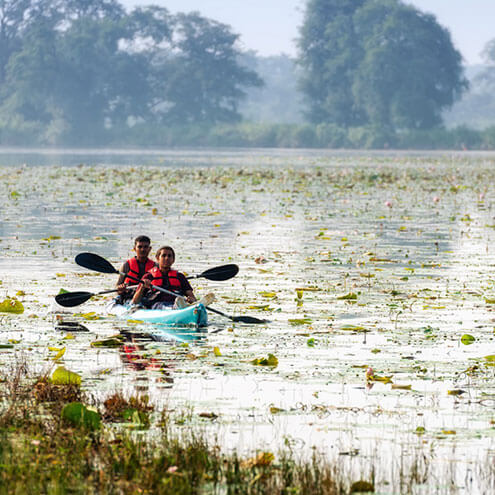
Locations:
467 339
82 416
11 306
62 376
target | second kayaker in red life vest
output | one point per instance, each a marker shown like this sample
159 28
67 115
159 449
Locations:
163 276
136 266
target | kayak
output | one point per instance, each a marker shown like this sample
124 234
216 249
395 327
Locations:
191 315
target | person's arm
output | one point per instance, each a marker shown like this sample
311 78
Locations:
146 284
120 285
186 289
190 297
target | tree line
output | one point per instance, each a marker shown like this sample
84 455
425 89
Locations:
369 73
76 70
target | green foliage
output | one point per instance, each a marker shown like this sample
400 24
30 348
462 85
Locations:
378 63
11 306
62 376
75 73
79 415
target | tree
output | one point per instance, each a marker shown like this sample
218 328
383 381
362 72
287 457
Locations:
203 80
80 68
329 52
383 64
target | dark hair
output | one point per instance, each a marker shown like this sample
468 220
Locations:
165 248
142 238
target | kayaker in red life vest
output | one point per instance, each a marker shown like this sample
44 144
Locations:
163 276
136 266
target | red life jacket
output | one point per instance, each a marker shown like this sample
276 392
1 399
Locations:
134 269
160 280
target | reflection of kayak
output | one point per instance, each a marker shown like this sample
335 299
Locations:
191 315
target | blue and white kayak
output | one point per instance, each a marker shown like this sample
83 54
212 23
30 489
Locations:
192 315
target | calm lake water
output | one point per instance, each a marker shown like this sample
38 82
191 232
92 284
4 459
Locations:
358 260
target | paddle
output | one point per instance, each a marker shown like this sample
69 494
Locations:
71 299
97 263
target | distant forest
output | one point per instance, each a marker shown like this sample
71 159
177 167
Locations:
369 74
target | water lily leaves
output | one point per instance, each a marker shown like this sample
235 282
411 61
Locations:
62 376
89 316
80 415
353 328
136 418
115 341
490 360
456 392
396 386
300 321
60 352
348 297
268 295
271 360
467 339
11 305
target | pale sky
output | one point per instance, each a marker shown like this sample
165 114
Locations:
270 27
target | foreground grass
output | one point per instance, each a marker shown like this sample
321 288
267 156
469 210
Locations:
40 452
111 451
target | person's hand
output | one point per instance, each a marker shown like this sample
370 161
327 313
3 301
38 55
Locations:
121 288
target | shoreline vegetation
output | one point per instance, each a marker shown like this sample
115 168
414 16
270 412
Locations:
55 438
259 135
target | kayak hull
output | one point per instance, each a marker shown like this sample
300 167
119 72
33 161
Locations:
192 315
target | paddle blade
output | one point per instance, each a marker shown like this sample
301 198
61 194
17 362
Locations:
71 299
95 262
248 319
220 273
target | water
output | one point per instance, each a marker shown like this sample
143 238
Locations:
410 236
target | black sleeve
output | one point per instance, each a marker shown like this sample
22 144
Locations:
184 283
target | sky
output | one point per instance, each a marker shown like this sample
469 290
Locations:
270 27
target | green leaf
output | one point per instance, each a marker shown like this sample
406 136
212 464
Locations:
138 419
80 415
62 376
348 297
271 360
110 342
11 306
300 321
467 339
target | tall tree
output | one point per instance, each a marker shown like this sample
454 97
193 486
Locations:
329 52
204 80
395 67
410 71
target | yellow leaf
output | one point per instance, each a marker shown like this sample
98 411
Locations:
11 306
62 376
216 351
396 386
350 296
59 354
